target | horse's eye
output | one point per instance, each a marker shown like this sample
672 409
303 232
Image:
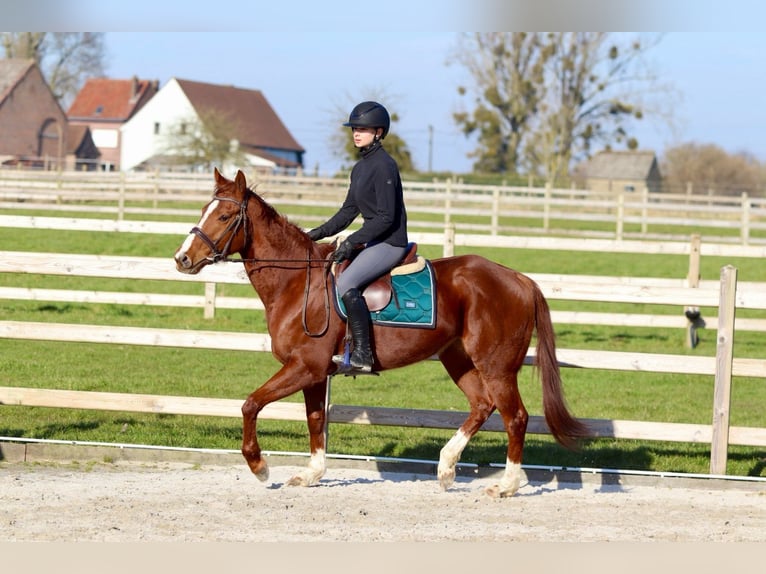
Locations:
224 217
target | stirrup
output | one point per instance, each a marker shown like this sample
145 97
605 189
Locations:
351 371
345 367
345 364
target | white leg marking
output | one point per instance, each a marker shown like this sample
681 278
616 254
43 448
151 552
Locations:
315 470
510 482
448 458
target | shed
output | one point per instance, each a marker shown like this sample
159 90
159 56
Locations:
618 171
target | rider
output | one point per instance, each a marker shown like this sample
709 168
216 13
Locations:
375 191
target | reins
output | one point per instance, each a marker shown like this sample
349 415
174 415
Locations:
223 256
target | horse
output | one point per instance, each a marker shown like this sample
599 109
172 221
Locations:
486 316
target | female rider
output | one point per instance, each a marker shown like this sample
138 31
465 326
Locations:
375 192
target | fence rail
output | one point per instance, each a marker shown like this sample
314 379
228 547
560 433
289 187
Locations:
469 207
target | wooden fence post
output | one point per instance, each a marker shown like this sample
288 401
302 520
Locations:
447 201
121 198
620 215
156 195
547 207
693 280
209 312
449 240
723 370
745 228
645 210
495 218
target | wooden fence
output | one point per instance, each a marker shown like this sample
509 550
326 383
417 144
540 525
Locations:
726 295
495 210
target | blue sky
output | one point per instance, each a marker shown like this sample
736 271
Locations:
311 59
308 77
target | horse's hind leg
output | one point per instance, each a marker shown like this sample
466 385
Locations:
466 377
505 394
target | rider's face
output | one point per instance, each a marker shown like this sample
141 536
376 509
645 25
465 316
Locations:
363 136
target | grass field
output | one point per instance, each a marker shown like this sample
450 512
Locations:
591 393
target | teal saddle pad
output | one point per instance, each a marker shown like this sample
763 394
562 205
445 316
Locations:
413 302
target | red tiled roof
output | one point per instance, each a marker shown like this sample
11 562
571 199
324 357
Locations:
257 124
107 99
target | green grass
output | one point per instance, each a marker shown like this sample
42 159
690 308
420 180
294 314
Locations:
234 374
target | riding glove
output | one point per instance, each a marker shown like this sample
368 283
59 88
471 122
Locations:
343 251
316 234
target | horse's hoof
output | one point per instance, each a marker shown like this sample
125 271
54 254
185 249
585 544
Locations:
306 478
495 491
297 480
446 478
260 469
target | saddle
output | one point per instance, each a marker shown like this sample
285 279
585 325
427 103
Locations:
378 293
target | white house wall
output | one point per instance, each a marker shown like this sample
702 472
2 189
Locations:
168 107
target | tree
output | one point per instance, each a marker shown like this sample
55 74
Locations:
66 59
342 140
545 100
508 71
703 168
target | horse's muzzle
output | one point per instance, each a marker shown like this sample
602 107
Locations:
185 265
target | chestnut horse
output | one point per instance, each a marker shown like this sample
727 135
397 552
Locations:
485 318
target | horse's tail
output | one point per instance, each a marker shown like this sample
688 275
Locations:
565 428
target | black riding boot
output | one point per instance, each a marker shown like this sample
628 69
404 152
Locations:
359 323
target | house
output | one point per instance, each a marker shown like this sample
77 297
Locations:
33 127
104 105
188 111
617 171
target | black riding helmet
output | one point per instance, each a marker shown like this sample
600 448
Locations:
369 115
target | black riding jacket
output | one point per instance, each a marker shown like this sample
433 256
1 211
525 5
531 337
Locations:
376 192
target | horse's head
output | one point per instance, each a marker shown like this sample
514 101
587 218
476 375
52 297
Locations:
222 229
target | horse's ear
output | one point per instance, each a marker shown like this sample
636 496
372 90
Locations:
217 175
240 179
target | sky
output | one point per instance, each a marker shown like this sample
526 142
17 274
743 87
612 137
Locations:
314 61
313 79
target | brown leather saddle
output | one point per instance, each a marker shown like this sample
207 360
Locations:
378 294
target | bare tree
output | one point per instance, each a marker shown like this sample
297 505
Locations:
707 168
66 59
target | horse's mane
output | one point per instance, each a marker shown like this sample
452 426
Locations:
270 213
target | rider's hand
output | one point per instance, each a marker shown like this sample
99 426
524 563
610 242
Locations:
343 251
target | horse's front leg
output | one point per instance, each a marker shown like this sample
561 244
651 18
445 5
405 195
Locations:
288 380
314 397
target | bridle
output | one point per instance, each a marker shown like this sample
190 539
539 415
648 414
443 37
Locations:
231 229
240 221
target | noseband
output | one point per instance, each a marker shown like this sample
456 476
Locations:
231 230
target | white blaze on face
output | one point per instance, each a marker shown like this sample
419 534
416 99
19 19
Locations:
189 238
